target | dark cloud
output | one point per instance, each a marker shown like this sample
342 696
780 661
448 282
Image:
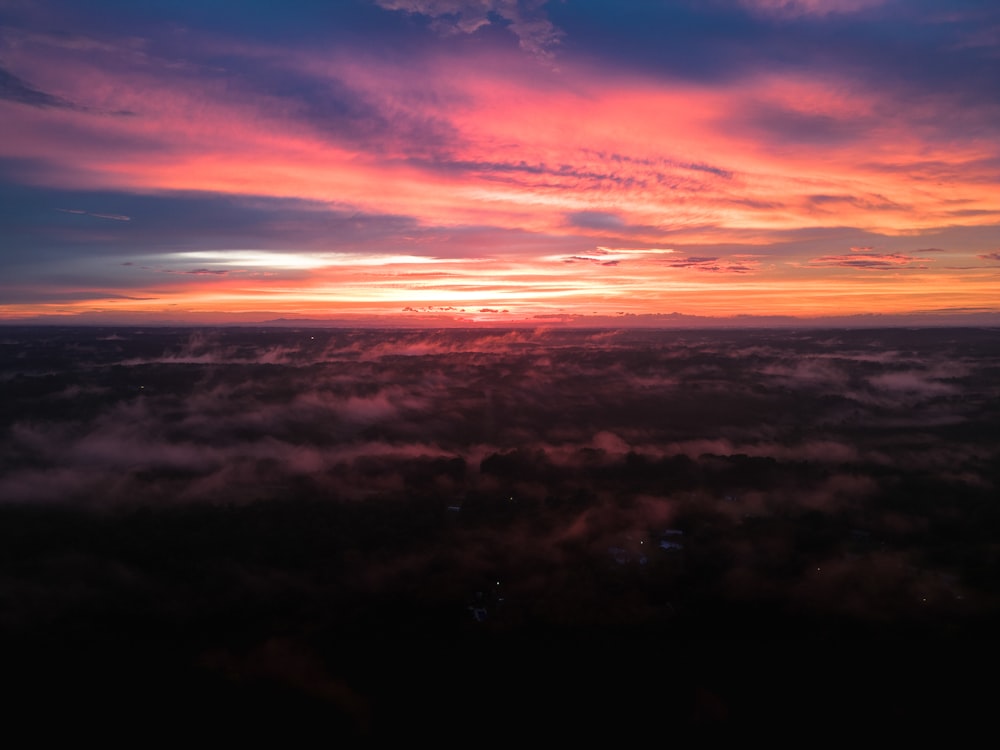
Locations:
718 171
206 272
81 212
869 260
585 259
868 203
990 256
710 264
595 220
795 127
16 89
565 175
692 261
405 123
526 19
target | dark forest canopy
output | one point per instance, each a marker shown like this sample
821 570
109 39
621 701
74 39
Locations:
218 501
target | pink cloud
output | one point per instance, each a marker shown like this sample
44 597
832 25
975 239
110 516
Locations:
913 382
565 158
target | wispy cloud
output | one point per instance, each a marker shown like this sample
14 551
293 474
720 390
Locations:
864 258
796 8
80 212
713 264
526 19
13 88
16 89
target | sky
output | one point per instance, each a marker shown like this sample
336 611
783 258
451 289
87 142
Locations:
499 161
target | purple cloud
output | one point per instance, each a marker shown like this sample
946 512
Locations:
864 259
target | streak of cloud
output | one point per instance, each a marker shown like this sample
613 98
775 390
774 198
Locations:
525 18
869 260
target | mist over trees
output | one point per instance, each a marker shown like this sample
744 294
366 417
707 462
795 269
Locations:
224 503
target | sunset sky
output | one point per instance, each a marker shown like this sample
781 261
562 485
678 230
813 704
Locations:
498 161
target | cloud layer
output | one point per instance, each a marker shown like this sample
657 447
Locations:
363 159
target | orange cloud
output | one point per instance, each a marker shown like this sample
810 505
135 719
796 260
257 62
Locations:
573 155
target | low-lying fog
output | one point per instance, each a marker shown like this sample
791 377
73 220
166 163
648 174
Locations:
233 488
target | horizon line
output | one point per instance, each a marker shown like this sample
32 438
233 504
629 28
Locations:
930 319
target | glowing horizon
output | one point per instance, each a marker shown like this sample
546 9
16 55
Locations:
398 158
